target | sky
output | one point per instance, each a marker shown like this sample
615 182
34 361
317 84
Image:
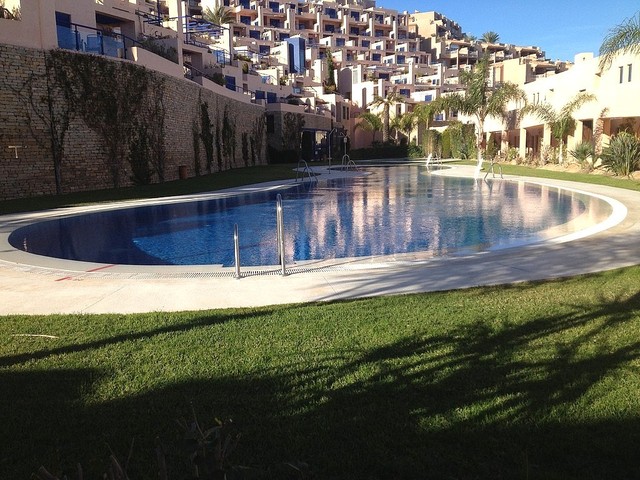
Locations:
561 28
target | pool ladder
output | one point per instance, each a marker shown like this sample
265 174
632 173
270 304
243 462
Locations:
347 163
433 160
304 169
279 240
492 170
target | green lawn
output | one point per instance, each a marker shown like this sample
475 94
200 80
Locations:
532 381
204 183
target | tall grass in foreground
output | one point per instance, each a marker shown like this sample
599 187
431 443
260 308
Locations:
538 380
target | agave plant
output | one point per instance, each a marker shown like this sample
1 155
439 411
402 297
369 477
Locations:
622 156
583 152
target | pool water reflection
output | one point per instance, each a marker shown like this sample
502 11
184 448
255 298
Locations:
395 210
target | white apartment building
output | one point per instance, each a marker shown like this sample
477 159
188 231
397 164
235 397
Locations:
275 53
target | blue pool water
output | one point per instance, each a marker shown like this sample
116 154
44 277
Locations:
394 210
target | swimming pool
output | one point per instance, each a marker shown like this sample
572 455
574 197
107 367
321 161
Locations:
394 211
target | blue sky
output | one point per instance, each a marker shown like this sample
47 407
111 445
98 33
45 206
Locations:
561 28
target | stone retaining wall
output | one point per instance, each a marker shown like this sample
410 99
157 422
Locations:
85 164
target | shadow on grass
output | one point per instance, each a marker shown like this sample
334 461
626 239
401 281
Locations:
480 401
10 360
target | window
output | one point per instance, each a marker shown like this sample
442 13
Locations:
365 43
405 92
254 34
271 124
376 57
428 98
339 42
245 20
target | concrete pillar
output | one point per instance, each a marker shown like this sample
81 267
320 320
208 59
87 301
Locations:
546 136
576 138
602 134
522 147
176 13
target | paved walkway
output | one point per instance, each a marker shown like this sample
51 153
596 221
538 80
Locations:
32 284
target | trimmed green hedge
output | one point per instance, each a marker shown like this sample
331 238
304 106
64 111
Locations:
387 151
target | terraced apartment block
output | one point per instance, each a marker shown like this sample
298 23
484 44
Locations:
268 62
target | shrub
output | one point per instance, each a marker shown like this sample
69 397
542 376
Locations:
548 154
622 156
513 155
383 151
446 144
584 153
414 151
156 46
492 148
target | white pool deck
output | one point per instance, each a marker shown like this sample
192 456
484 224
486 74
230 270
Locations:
31 284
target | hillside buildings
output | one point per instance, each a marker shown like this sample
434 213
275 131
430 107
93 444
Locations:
274 53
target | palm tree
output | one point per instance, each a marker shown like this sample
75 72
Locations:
219 15
403 124
481 99
623 38
424 114
391 98
561 121
490 37
369 122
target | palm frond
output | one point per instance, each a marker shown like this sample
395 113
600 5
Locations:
621 39
575 103
543 111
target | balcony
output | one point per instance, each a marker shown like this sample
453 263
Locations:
91 40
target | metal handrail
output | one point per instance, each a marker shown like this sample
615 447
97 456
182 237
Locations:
300 171
492 170
236 250
78 43
280 233
347 163
433 160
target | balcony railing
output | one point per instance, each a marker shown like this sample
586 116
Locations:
92 40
